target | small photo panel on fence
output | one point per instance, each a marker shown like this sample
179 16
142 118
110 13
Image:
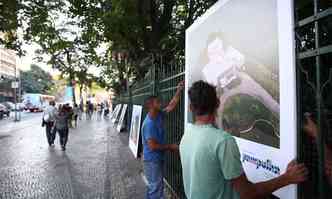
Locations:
123 113
135 129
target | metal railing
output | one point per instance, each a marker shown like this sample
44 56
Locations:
314 74
161 80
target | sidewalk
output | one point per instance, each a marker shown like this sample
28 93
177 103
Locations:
126 172
96 164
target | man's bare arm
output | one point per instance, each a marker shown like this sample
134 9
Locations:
175 100
295 173
155 146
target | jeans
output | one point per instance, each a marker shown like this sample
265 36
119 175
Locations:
154 174
49 133
63 133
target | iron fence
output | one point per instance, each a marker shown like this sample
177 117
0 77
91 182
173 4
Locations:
161 80
314 75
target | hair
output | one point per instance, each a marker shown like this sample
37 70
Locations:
203 98
149 100
52 103
62 109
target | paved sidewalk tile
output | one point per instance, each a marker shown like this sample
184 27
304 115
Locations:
97 164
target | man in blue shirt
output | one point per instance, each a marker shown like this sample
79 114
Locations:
154 145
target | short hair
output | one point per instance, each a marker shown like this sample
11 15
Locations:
203 98
149 100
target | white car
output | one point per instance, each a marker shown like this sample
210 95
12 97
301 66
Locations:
11 105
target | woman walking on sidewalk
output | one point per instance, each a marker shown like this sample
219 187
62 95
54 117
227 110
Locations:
48 122
76 113
61 126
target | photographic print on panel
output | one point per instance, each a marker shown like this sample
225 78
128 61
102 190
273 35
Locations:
135 129
123 113
241 61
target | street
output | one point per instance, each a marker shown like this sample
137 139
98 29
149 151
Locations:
96 164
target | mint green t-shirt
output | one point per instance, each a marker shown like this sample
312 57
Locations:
210 159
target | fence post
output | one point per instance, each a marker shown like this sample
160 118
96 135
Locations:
153 76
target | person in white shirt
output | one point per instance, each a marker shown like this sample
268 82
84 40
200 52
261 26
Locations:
48 122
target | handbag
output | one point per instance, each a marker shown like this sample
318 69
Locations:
46 117
53 130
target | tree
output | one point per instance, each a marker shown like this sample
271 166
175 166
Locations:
141 28
138 29
36 80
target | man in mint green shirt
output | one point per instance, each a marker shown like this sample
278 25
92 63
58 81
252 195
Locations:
211 159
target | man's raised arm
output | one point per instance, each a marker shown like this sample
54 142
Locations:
175 100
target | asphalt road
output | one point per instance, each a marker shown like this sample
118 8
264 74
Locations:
26 119
96 164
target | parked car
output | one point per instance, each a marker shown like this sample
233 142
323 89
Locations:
9 105
4 111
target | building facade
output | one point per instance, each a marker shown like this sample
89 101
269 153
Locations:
7 74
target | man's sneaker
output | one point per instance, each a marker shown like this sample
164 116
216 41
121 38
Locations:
63 148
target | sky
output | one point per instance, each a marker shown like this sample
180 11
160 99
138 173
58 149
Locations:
29 58
25 61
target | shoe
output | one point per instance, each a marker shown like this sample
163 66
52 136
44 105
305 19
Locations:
63 148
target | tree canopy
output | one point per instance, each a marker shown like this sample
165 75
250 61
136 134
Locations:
70 32
36 80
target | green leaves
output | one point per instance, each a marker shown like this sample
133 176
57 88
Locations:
70 32
36 80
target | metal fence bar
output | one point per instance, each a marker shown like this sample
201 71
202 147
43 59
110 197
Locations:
313 44
162 80
315 17
316 52
172 77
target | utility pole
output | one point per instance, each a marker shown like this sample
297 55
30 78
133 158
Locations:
15 86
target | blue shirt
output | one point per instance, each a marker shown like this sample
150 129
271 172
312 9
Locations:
152 128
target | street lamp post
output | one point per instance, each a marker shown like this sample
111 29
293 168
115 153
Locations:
15 86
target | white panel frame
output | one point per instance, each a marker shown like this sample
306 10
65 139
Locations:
288 117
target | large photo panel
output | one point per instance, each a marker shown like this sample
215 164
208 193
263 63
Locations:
122 116
115 114
135 129
245 49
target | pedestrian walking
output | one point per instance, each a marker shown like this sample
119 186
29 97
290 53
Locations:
48 121
99 111
81 107
76 113
70 113
90 110
154 145
61 126
210 157
107 110
87 116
